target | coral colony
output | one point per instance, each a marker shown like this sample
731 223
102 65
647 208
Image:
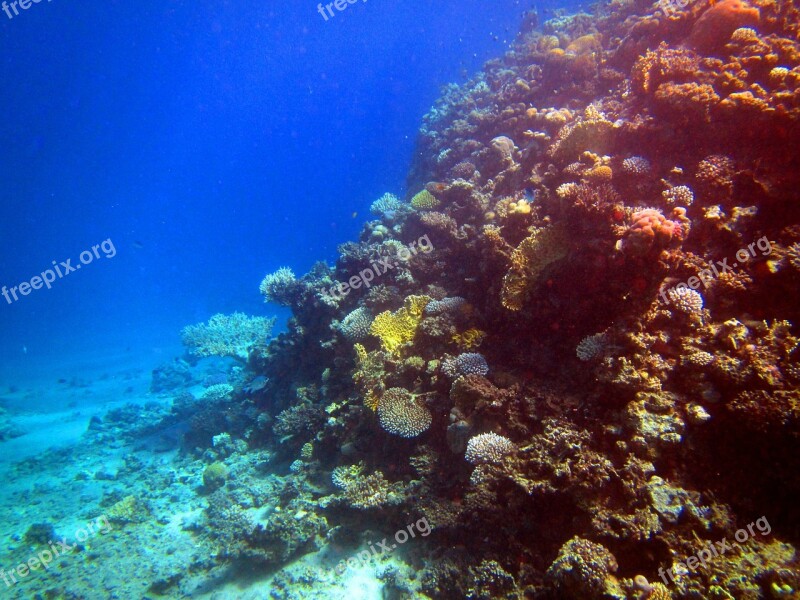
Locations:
538 388
563 384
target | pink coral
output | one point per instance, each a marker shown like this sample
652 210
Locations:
651 229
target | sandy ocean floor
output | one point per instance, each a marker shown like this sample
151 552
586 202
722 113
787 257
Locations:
63 480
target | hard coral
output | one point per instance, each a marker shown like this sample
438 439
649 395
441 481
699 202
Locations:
355 326
228 335
399 327
582 568
402 413
424 200
540 249
650 229
469 363
488 448
719 21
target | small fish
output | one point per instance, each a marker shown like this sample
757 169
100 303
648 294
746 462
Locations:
355 214
138 245
531 194
24 349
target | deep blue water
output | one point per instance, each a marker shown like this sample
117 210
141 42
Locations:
211 142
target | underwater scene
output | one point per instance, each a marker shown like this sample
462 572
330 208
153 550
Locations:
425 300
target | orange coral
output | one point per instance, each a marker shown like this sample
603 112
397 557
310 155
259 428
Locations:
690 99
715 26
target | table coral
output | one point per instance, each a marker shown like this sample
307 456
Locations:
228 335
402 413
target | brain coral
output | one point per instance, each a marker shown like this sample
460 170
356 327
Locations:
403 414
488 448
355 326
397 328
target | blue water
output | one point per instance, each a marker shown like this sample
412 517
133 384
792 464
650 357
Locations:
211 142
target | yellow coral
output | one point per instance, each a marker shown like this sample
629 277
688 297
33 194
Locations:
531 257
424 200
361 353
520 207
470 339
371 400
599 173
399 327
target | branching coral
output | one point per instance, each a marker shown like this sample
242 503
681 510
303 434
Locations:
355 326
228 335
424 200
279 287
402 413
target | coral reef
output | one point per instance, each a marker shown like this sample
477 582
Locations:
613 212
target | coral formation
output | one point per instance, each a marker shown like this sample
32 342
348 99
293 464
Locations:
228 335
400 413
399 327
488 448
568 190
